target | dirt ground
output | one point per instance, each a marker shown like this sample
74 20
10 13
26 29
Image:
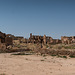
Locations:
35 65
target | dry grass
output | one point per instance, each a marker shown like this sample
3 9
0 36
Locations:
3 74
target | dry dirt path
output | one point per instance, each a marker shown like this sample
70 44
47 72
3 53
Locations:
35 65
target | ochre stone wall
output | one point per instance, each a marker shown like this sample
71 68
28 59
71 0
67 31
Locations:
68 40
8 41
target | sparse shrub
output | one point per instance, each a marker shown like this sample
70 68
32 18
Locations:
18 46
70 47
64 56
59 56
47 46
72 56
26 58
44 55
45 58
51 47
3 74
53 55
59 47
67 47
42 60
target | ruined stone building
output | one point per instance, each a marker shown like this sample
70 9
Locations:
18 39
5 39
35 38
8 39
15 39
2 37
68 40
2 41
42 39
47 39
73 39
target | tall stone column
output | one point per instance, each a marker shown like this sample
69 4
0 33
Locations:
30 35
44 39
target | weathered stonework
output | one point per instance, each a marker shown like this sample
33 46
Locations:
2 37
11 40
68 40
8 40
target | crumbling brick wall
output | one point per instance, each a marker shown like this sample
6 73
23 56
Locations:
40 39
66 40
73 39
8 40
35 38
2 37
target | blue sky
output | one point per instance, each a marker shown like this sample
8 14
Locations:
54 18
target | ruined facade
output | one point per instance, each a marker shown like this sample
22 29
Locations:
8 39
42 39
14 39
35 38
68 40
73 39
5 39
2 41
2 37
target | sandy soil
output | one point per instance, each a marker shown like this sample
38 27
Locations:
35 65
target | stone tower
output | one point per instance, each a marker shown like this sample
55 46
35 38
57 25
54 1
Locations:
30 35
44 39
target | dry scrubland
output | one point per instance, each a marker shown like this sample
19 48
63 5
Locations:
50 60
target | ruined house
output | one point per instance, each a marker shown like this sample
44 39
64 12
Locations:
2 41
5 39
39 39
47 39
2 37
35 38
14 39
18 37
42 39
73 39
68 40
8 40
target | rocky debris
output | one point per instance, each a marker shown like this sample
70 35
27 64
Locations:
56 52
2 46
